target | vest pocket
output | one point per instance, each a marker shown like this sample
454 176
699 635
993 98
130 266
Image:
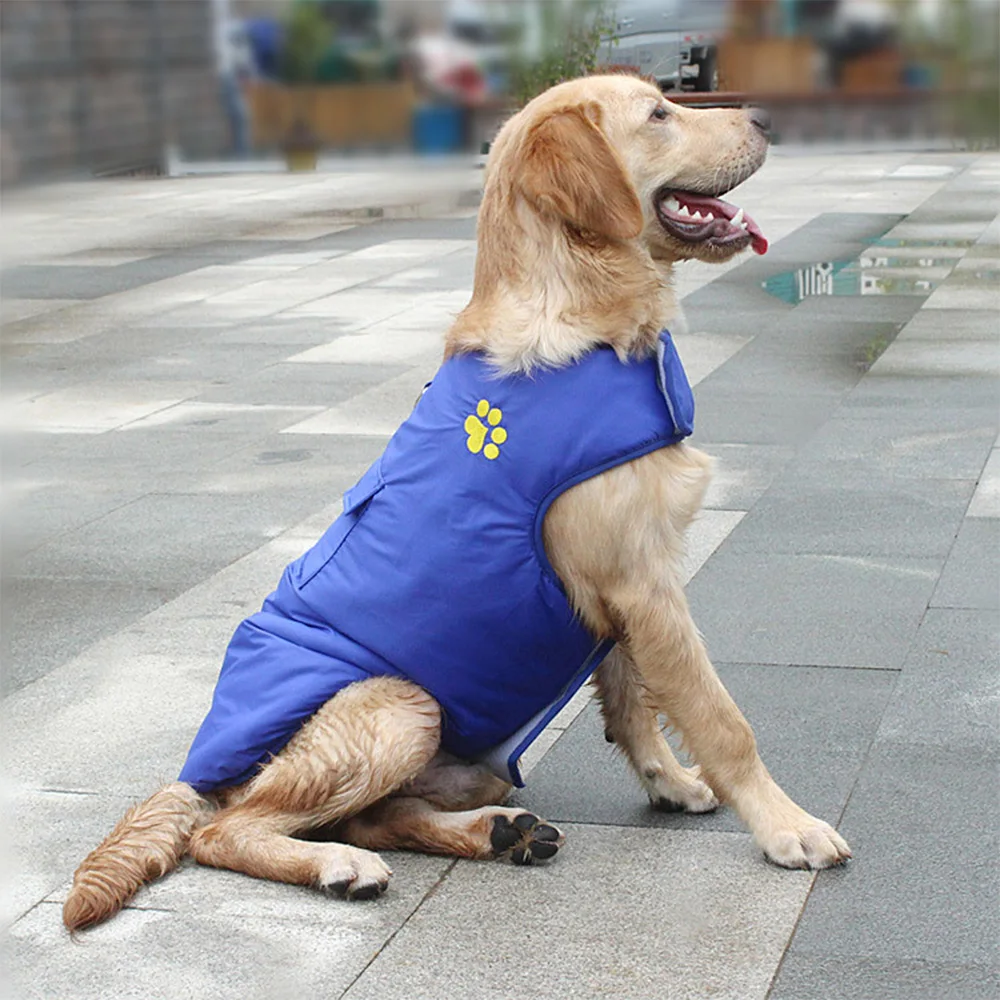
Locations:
365 488
356 501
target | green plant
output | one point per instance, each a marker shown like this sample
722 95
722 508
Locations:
308 35
572 32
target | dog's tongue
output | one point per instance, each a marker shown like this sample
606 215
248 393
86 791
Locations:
724 210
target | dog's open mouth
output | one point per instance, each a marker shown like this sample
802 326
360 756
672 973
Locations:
699 218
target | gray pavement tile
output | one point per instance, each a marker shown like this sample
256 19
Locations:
947 692
726 410
360 237
191 415
40 281
98 356
842 977
824 610
963 294
813 729
205 361
48 833
217 934
133 461
868 308
743 472
852 340
167 540
769 368
848 511
581 926
303 384
296 332
941 229
714 312
923 883
930 391
40 507
880 437
971 576
919 358
47 621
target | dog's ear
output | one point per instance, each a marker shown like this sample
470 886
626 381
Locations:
570 169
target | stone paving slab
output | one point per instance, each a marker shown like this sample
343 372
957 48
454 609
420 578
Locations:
971 578
880 437
84 610
841 977
617 911
946 695
241 939
924 883
986 499
919 418
45 828
814 609
743 472
856 512
813 729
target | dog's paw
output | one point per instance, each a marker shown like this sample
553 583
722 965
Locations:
353 873
812 844
689 794
525 838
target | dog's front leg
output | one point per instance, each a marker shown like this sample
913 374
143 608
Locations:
676 669
631 722
616 542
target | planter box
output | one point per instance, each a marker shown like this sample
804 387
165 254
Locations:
772 65
338 115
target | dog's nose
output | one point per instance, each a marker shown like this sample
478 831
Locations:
761 120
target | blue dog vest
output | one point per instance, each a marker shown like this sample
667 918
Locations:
436 570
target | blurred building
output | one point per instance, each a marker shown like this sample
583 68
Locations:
105 85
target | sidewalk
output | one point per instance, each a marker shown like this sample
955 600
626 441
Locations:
196 382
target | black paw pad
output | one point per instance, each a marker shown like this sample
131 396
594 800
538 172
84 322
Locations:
371 891
526 822
544 850
667 805
504 836
527 839
338 888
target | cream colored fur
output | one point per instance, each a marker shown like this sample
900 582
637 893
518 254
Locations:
570 256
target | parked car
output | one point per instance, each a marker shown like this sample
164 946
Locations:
673 41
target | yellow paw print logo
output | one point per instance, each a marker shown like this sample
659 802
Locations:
477 430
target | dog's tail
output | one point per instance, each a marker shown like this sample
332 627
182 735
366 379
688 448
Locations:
149 841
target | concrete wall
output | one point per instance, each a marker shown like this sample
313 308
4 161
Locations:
101 85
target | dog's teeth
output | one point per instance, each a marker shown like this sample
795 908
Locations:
672 204
708 216
696 216
683 210
743 225
737 219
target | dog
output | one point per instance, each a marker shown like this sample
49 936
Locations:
593 192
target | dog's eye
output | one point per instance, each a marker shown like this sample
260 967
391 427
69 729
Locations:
660 113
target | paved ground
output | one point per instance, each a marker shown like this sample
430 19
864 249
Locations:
197 368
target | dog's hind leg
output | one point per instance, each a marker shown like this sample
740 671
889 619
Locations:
409 823
453 784
361 746
631 722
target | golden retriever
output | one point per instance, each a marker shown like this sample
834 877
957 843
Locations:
590 197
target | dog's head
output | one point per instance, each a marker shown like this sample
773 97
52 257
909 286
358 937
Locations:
592 192
607 157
